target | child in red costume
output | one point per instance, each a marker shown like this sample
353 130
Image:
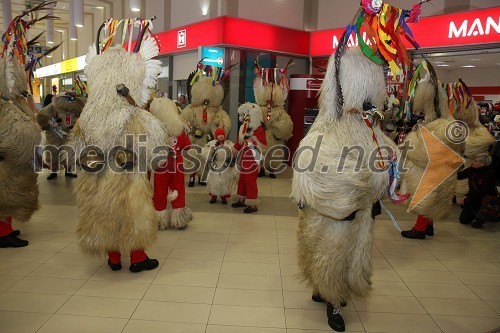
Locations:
249 158
169 178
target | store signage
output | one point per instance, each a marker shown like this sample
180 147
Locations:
460 29
213 56
67 66
303 83
181 38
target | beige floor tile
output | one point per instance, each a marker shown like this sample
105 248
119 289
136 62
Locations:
71 248
457 307
390 288
193 279
261 237
17 322
181 294
289 248
457 255
205 236
471 266
200 245
479 279
317 320
417 264
22 255
428 276
17 268
80 324
287 222
240 316
406 253
7 281
257 257
381 263
196 254
158 252
398 323
99 307
385 275
146 326
495 305
311 331
288 258
113 289
260 221
202 266
258 282
104 273
441 290
47 246
302 300
251 247
41 285
459 324
246 297
293 283
487 293
31 302
76 259
289 270
239 329
64 271
389 304
251 228
250 268
173 312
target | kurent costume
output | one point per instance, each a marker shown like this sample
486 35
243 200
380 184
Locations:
337 191
204 114
115 140
463 107
428 98
169 177
19 133
57 120
222 173
271 90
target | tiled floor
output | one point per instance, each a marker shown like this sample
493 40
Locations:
233 273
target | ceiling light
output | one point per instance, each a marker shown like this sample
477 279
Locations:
78 13
443 65
475 59
439 62
73 33
468 66
99 7
135 5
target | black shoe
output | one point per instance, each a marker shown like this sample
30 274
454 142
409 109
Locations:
182 228
15 233
429 230
477 224
146 265
413 234
70 175
317 298
272 175
202 183
213 200
115 267
191 182
12 241
224 201
335 320
250 210
238 204
262 173
53 175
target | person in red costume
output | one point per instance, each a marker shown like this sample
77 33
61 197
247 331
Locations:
169 178
249 158
220 157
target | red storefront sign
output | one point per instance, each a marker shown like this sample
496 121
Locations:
228 31
466 28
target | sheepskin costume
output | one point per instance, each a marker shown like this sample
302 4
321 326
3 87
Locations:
204 114
479 140
58 119
169 178
222 173
19 133
115 202
336 223
430 101
271 93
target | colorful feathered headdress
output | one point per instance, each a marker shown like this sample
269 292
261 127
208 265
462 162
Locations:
146 45
459 96
424 72
218 74
273 75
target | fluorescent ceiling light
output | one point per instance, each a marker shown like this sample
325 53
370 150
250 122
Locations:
443 65
468 66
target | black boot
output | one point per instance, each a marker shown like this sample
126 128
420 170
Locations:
413 234
250 210
70 175
317 298
335 320
115 267
191 182
429 230
201 182
213 200
238 204
15 233
146 265
272 175
477 223
53 175
12 241
262 172
224 201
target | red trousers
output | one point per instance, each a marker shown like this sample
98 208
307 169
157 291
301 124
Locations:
163 181
6 227
135 256
247 185
422 223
